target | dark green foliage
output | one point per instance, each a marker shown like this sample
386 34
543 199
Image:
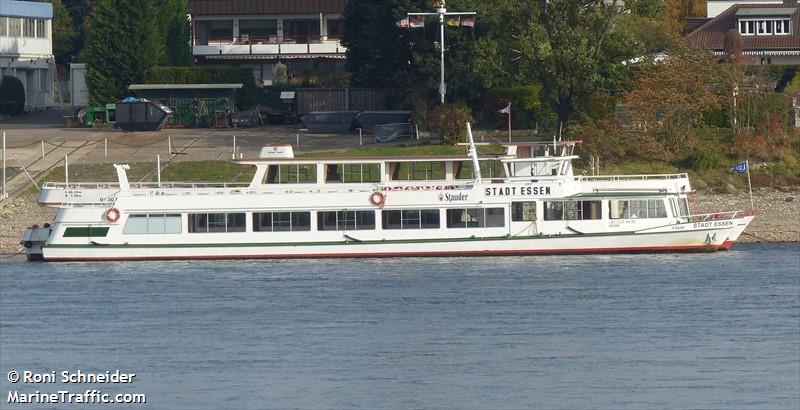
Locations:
7 107
450 121
124 43
11 89
173 28
64 33
248 95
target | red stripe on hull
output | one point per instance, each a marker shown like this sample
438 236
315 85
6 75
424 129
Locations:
584 251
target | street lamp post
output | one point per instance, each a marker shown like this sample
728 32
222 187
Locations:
441 12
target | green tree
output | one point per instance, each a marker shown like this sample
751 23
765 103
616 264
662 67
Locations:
575 48
64 33
123 45
173 27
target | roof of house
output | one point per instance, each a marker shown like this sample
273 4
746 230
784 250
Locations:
257 7
711 35
26 9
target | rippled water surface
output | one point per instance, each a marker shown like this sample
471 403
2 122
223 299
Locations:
625 331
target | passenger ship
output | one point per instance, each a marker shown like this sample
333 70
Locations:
525 201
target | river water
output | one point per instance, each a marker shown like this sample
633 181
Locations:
717 331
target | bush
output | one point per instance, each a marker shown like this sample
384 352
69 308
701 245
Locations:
248 95
7 107
450 120
11 89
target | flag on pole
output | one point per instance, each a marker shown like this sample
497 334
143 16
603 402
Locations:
454 21
468 21
416 21
506 110
403 23
740 167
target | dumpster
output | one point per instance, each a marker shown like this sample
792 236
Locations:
141 115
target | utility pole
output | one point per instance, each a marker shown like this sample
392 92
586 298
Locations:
441 12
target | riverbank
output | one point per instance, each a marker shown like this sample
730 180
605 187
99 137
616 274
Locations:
777 218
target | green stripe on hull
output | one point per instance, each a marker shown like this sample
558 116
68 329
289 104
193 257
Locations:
370 242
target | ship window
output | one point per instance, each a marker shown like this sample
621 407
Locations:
281 221
523 211
345 220
349 173
684 206
417 171
553 211
580 210
291 174
489 169
152 224
637 208
217 222
476 218
86 232
411 219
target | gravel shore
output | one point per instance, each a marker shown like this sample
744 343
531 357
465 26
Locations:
777 216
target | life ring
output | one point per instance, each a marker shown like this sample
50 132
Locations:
112 214
377 198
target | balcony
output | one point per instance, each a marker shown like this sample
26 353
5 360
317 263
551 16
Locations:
270 47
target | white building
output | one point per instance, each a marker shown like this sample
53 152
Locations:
26 49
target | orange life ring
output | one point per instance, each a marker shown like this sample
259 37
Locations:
112 214
377 198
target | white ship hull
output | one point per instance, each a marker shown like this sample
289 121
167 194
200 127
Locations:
687 240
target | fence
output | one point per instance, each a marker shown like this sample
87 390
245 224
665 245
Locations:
340 99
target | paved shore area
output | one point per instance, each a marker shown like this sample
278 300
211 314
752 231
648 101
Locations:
36 150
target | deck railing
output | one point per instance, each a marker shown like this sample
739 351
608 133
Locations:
643 177
144 185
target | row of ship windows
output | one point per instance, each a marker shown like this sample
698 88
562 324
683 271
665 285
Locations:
358 173
391 219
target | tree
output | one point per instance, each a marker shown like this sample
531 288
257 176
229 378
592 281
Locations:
670 99
575 48
80 12
11 90
173 27
64 33
123 45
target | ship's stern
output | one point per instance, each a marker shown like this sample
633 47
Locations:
33 239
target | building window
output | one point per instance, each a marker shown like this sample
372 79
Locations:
523 211
214 31
217 222
3 26
476 218
41 28
152 224
29 28
411 219
291 174
300 31
334 29
782 27
637 208
14 27
255 31
281 221
345 220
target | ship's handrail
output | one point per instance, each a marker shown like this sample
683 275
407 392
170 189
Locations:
144 185
716 216
642 177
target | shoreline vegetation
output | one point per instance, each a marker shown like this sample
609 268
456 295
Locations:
777 220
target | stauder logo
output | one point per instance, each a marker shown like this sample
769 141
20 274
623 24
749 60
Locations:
453 197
